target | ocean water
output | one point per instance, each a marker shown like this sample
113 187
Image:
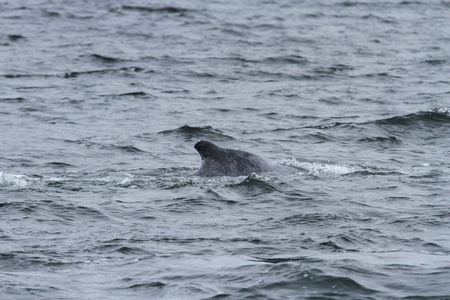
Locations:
102 102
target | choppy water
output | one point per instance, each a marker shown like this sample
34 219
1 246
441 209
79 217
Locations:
102 101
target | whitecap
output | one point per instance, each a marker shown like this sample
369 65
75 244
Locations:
14 180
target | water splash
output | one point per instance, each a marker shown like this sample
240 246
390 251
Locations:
20 181
318 169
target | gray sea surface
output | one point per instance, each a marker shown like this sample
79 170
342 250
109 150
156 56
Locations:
102 102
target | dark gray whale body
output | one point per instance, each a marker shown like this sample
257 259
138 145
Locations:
217 161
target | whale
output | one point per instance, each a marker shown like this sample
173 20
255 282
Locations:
218 161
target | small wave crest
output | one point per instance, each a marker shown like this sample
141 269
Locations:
429 117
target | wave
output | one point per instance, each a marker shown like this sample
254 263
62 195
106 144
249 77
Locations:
190 133
104 59
256 184
430 117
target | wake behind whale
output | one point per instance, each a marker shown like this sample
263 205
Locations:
217 161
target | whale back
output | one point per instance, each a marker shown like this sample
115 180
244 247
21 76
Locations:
217 161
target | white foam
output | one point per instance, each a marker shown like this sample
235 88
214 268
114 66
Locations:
126 182
440 110
14 180
316 168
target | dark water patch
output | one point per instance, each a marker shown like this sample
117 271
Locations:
233 32
333 70
283 60
59 165
382 139
251 109
384 20
255 241
271 115
274 260
34 108
331 245
176 91
411 3
133 251
433 296
351 3
363 173
118 246
147 285
370 100
28 75
133 94
81 16
15 37
201 74
302 219
147 9
104 59
102 71
54 120
189 133
435 62
332 125
128 149
432 174
380 75
76 73
51 14
184 240
224 110
13 100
